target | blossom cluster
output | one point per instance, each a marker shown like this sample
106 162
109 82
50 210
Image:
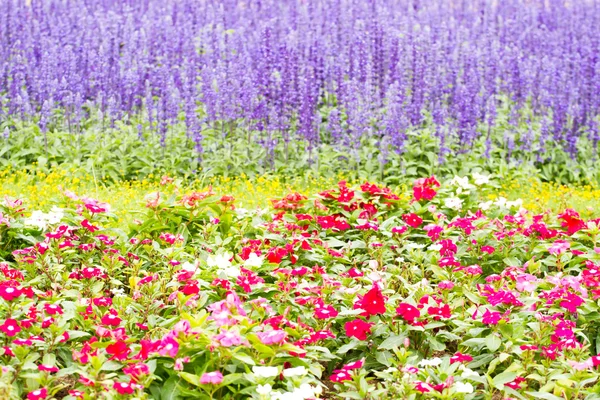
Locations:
352 292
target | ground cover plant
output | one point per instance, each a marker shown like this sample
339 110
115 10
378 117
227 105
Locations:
391 87
353 292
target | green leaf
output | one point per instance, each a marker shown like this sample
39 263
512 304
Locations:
191 378
111 366
512 262
505 377
544 395
243 357
493 342
348 346
170 390
391 342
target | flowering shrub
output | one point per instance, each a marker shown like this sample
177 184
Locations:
394 87
352 293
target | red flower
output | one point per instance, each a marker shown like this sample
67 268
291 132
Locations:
408 312
412 220
373 302
119 350
358 329
571 221
437 312
516 384
423 188
39 394
191 288
10 327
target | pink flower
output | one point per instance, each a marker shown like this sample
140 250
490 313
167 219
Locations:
274 336
446 285
559 247
459 357
354 365
399 230
571 302
491 318
214 378
229 338
9 293
47 368
39 394
326 311
340 376
53 309
125 388
168 346
135 371
10 327
422 387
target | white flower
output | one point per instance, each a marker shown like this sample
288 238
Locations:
55 215
220 261
241 212
435 247
254 261
516 203
486 206
462 183
231 272
298 371
118 292
306 391
480 179
453 202
188 266
265 372
37 219
501 202
264 389
373 264
431 363
469 373
461 387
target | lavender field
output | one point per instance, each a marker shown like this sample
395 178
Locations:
308 81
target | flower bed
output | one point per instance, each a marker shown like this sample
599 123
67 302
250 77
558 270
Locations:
354 293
